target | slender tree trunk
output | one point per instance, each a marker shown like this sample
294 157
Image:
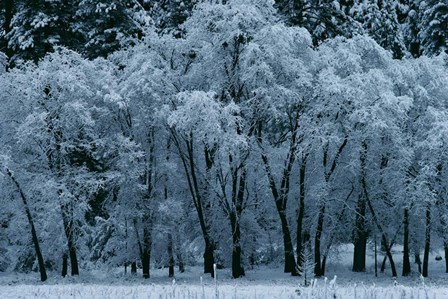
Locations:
383 236
360 234
319 230
170 256
445 245
427 240
189 165
376 258
280 202
383 264
406 261
238 191
391 261
146 254
290 261
281 195
40 259
73 260
134 268
418 261
360 242
68 229
209 259
301 214
237 269
64 264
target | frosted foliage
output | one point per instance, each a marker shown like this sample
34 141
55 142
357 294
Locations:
200 113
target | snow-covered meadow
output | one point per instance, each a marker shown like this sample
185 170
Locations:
260 282
223 291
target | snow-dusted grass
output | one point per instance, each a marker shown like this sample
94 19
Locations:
224 291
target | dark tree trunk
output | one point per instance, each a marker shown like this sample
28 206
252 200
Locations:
446 256
64 264
280 195
418 261
145 263
383 264
170 256
376 258
359 254
40 259
290 261
189 165
392 263
360 233
237 269
209 259
73 260
68 229
146 254
389 257
322 269
427 240
133 268
238 191
383 235
406 261
319 229
360 241
301 213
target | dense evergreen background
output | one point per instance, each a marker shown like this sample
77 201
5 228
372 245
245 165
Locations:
29 29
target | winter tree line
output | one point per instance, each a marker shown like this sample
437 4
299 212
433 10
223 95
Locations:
237 133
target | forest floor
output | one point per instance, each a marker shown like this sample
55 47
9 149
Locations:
259 282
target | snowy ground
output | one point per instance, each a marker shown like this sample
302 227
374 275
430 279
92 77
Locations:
261 282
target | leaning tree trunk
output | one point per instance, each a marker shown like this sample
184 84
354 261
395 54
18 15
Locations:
383 236
189 165
427 240
290 261
280 194
318 269
406 261
40 259
280 198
